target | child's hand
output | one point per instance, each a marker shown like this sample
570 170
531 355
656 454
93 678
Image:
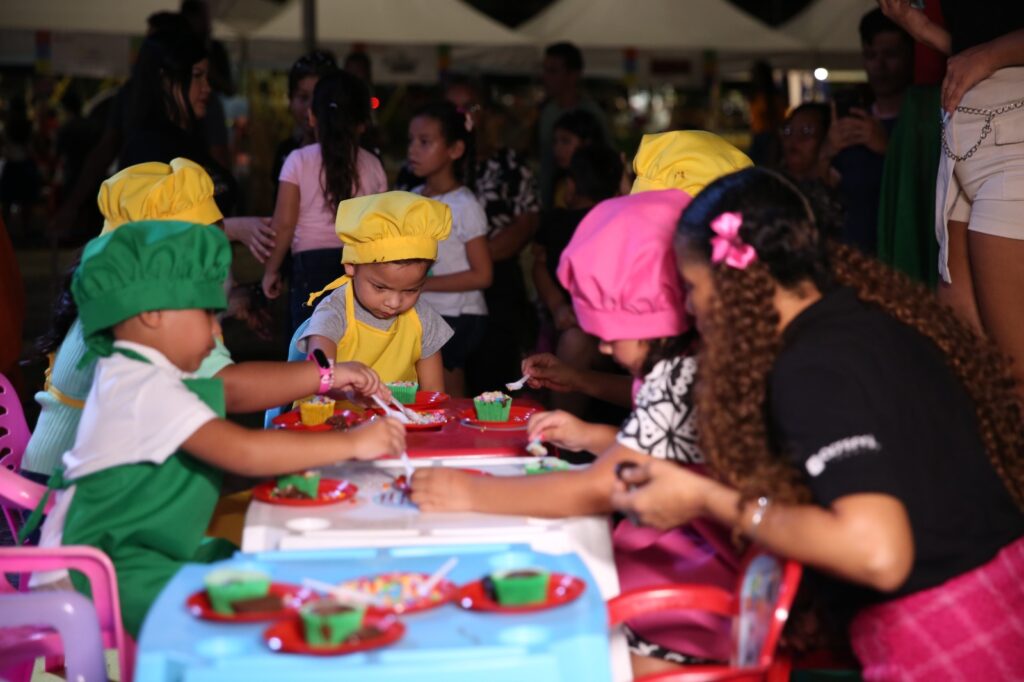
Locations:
661 494
439 489
547 371
271 283
377 437
357 377
561 429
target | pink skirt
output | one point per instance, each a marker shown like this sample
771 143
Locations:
970 628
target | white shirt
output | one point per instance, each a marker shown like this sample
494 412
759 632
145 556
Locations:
468 222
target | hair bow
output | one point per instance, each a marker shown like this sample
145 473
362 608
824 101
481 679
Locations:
727 245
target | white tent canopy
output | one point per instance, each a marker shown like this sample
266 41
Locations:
118 17
392 21
656 24
830 25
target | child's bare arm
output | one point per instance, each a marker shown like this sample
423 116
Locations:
553 495
247 452
255 386
286 214
430 373
478 276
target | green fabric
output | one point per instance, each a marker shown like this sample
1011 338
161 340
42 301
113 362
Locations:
906 213
149 519
149 265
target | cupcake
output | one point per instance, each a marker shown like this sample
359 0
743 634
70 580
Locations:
545 466
227 586
298 486
520 587
492 406
328 622
404 391
316 410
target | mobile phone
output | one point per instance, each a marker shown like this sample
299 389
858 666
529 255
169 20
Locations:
848 99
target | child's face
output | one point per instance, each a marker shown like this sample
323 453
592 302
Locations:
191 334
199 89
629 353
428 151
301 99
565 146
387 289
697 280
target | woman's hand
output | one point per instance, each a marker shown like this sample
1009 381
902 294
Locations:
357 377
963 72
561 429
256 233
661 494
547 371
901 13
440 489
375 438
271 283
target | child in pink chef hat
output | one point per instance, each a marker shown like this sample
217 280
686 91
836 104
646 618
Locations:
620 270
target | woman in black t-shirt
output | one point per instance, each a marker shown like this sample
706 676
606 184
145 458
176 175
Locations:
855 425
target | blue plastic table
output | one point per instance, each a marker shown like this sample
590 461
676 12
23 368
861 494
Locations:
446 643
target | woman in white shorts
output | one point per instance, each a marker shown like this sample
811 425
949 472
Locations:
979 203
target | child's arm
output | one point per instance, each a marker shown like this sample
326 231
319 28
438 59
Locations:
254 386
251 453
567 432
430 373
553 298
477 277
547 371
552 495
286 214
511 240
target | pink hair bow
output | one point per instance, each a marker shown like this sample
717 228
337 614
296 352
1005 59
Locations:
727 245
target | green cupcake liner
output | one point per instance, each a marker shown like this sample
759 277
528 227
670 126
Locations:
309 485
513 590
493 412
330 629
404 394
545 467
246 586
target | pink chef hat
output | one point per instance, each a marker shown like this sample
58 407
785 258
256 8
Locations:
620 270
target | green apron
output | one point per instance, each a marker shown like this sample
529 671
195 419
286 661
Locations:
149 519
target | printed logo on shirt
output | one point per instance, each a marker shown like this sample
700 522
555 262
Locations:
841 448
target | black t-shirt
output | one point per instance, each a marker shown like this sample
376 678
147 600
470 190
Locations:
972 22
861 403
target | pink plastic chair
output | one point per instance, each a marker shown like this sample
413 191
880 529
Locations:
18 494
14 431
759 610
71 615
98 570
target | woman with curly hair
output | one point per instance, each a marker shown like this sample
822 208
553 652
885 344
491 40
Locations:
855 425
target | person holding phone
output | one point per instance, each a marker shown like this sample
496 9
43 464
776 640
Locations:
853 155
979 204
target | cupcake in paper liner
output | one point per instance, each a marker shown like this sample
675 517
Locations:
226 586
404 391
328 622
316 410
493 406
520 587
299 486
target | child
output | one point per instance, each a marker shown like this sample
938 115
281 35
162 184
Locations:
180 190
620 269
145 470
375 314
314 180
594 175
441 154
574 130
857 426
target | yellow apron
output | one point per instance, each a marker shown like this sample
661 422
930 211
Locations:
391 353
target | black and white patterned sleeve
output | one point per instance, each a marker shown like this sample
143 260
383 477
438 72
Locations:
663 423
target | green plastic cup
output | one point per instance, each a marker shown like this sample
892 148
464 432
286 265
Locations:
226 586
327 622
521 587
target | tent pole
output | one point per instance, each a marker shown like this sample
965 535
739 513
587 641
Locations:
309 24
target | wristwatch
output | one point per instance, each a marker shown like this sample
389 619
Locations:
326 367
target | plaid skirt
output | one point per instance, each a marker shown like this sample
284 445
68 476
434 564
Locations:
970 628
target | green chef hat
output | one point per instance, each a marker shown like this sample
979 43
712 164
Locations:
148 265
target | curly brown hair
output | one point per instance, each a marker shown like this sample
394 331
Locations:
741 341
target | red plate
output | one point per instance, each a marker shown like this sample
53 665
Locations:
286 637
293 421
375 585
562 589
293 597
518 418
331 491
434 426
428 400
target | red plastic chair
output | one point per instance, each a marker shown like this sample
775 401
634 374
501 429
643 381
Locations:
14 433
95 565
759 610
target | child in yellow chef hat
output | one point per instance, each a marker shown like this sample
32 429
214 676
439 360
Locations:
374 314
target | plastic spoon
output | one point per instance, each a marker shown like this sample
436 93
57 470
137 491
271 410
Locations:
437 576
390 411
516 385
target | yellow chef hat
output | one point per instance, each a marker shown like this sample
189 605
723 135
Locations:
684 159
180 190
391 226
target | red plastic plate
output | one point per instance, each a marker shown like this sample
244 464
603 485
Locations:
372 585
562 589
293 596
428 400
286 636
435 426
293 421
518 418
331 491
